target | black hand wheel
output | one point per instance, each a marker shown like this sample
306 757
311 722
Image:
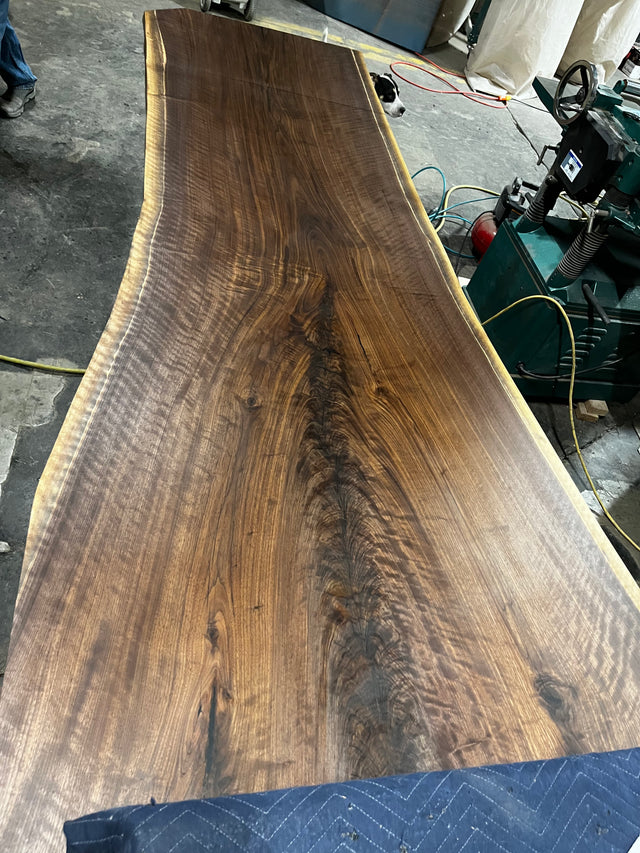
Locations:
205 5
569 108
248 11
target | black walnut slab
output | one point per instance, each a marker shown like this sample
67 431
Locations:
299 526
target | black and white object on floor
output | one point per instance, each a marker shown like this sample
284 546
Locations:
389 94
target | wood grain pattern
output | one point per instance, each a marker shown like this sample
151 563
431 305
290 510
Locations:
299 526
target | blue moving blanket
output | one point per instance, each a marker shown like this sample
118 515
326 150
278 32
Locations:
580 804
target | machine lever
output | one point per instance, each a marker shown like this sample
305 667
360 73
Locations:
628 87
600 214
544 151
591 298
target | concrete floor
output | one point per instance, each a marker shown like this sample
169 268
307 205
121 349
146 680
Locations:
71 189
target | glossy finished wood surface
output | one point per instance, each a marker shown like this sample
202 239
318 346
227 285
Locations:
298 526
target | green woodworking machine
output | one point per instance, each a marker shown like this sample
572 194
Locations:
591 266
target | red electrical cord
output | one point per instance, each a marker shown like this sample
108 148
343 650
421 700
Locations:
477 97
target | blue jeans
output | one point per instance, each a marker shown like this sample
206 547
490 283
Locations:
13 69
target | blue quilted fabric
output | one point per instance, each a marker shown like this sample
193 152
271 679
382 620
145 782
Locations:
581 804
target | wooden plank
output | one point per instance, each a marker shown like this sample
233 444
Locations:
584 414
299 525
597 407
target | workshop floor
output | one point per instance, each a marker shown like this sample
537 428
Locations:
71 189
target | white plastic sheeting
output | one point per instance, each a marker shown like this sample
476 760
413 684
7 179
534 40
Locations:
603 34
518 40
524 38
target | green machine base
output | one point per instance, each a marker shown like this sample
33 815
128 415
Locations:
532 339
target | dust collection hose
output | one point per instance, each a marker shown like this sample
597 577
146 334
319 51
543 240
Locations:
578 255
543 201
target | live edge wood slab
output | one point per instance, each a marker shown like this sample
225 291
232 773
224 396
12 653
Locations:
299 525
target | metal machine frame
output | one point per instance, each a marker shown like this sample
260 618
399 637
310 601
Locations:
590 266
245 7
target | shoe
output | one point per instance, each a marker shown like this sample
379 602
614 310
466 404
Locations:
13 101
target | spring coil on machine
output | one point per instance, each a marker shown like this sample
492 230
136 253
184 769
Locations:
537 210
542 202
581 251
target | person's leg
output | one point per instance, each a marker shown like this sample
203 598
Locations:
15 72
13 69
4 17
